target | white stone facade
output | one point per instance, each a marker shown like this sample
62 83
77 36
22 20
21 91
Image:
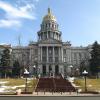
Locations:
49 54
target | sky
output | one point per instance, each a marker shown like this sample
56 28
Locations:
79 20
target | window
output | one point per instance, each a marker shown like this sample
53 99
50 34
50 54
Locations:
75 56
50 59
44 51
46 25
50 51
48 34
55 26
52 25
44 59
45 36
56 51
64 59
36 51
80 56
42 26
64 51
51 35
56 59
49 24
41 35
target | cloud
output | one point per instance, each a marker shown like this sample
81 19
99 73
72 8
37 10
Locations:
9 23
14 15
37 0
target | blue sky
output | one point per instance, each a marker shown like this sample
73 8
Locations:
79 20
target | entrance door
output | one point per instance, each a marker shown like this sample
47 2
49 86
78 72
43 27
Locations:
44 70
50 71
56 70
50 68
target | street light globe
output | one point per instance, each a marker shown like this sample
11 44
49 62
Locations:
71 66
34 66
77 69
84 72
26 72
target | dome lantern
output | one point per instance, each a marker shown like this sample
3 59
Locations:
49 16
49 11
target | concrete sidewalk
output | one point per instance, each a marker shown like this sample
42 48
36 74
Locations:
44 94
57 94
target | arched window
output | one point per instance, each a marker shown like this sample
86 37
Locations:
49 25
52 25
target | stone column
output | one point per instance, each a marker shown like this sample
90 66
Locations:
61 69
47 53
60 37
59 55
62 54
47 35
70 58
40 37
41 53
43 35
47 69
53 69
54 35
57 36
40 71
53 55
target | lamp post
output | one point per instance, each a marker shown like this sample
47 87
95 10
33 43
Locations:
39 72
85 73
71 69
26 73
77 72
61 69
34 70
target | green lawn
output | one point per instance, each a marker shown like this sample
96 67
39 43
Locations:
92 84
20 83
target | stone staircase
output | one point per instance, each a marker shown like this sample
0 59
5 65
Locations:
54 85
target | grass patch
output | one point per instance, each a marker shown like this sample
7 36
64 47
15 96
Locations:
19 82
92 84
13 82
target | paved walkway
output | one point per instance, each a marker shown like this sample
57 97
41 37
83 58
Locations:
57 94
44 94
49 98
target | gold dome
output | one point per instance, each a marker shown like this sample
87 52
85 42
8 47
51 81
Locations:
49 16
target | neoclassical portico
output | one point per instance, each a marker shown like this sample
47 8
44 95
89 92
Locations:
50 59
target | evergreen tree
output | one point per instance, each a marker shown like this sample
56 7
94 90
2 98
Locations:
95 59
16 69
5 63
